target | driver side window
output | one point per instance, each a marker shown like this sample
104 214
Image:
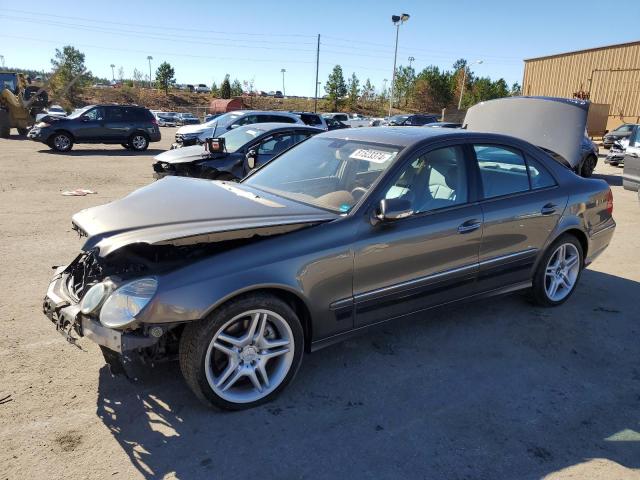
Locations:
275 145
434 180
95 114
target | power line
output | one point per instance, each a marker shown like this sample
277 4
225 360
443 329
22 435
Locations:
66 17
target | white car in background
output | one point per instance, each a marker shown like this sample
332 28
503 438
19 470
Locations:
52 111
354 120
194 134
202 88
165 119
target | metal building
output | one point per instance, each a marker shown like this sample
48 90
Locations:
607 75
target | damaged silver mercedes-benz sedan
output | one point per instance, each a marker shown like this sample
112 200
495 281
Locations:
346 230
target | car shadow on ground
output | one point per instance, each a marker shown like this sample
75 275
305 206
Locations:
612 180
494 389
77 152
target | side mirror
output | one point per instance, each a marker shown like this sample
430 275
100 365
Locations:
391 209
232 126
251 158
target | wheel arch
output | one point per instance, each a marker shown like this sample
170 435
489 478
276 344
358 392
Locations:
576 232
284 293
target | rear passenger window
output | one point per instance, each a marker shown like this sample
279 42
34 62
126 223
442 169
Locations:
503 171
281 119
540 176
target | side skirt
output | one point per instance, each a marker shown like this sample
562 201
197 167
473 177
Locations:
325 342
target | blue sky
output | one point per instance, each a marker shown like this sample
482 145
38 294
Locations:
250 39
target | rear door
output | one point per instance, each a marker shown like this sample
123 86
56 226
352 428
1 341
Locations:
117 124
521 204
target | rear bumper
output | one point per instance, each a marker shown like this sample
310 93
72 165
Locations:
64 312
599 241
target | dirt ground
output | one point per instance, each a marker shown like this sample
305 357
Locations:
490 390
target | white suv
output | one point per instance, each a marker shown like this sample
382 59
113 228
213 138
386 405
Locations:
202 88
192 134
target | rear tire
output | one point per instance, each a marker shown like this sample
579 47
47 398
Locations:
23 131
139 142
560 267
61 142
5 132
244 353
588 166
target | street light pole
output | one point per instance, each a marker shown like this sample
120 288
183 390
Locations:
150 58
113 75
283 90
464 81
411 60
397 21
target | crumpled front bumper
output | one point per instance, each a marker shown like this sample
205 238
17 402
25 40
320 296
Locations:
64 312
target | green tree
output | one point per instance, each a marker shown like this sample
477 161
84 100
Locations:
164 76
215 91
516 90
70 73
236 88
368 91
225 88
405 81
353 90
432 89
335 86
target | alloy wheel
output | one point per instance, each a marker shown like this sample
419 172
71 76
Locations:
562 272
249 356
62 142
138 142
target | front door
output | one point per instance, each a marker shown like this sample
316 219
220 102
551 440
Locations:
428 258
521 205
90 125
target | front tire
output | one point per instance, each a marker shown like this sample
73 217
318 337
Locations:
23 131
558 273
244 353
139 142
61 142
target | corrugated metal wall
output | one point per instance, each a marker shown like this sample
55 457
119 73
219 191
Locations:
610 75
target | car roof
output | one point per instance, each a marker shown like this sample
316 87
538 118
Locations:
246 112
399 136
268 126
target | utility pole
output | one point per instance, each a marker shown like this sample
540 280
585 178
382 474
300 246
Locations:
283 90
150 58
315 99
397 21
464 81
113 75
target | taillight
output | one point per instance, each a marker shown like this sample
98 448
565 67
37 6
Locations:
154 121
610 202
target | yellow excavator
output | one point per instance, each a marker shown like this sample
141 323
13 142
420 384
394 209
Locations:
21 99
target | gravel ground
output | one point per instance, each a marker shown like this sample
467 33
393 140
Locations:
490 390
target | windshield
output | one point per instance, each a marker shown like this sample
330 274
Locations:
77 113
398 118
239 137
224 120
330 173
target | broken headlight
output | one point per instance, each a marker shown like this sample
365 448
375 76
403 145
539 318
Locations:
122 306
94 298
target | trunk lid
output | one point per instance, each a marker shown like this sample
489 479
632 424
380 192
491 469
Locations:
555 124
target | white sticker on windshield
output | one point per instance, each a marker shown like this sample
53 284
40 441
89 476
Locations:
252 132
370 155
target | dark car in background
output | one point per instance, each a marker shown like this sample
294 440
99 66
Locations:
444 125
312 119
618 133
237 151
631 172
187 119
415 120
334 124
132 126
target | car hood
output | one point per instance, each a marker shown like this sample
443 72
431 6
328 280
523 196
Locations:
187 211
183 155
198 129
556 124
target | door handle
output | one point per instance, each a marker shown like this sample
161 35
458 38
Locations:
548 209
469 226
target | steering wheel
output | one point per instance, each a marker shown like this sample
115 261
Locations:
358 192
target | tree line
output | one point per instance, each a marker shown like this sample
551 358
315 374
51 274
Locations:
429 90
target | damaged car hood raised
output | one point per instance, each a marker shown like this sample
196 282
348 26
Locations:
555 124
187 211
184 155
